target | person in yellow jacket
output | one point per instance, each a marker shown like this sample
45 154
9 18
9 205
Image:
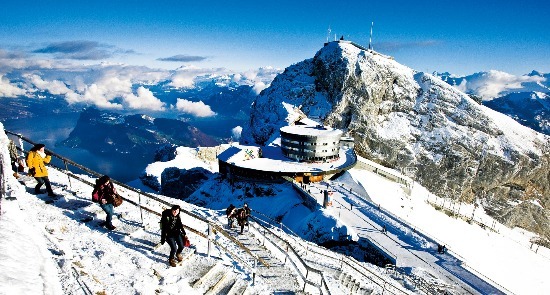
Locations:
36 161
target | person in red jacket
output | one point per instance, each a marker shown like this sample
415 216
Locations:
104 193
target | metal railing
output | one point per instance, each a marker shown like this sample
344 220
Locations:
384 251
338 259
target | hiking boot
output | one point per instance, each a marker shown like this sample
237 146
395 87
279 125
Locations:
179 257
172 262
110 227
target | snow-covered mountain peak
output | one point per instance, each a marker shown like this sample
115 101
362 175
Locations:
403 118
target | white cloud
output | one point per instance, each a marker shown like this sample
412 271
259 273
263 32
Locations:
9 90
96 95
493 84
55 87
236 133
258 87
184 77
144 100
197 109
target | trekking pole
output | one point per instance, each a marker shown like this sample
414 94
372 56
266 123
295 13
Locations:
67 169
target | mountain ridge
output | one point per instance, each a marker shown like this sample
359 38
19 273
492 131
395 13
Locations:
402 118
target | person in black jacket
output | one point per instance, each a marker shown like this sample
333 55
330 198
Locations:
172 231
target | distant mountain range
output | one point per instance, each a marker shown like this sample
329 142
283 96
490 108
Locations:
524 98
138 135
531 109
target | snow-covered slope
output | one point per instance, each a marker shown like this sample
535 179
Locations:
403 118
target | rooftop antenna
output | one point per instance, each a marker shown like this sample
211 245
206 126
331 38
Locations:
328 35
370 39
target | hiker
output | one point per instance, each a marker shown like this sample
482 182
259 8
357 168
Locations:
230 213
104 194
13 158
172 231
37 159
242 216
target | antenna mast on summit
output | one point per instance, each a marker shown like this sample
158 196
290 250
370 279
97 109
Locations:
370 39
328 35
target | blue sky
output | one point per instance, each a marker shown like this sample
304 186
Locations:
461 37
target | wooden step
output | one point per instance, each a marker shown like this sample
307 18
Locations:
223 285
238 288
212 272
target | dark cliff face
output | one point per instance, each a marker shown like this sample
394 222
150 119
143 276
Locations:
402 118
103 132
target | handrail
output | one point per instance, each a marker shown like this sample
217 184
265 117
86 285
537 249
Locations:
300 260
349 262
215 226
425 286
372 241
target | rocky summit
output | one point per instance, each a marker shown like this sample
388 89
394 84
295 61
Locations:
415 122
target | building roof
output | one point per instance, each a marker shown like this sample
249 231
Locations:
308 130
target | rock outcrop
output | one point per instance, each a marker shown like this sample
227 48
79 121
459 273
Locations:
180 183
403 118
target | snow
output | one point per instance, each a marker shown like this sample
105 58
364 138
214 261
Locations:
47 248
27 267
487 252
520 137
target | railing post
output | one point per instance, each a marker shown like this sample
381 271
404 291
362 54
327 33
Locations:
208 236
21 145
140 210
305 280
286 256
67 169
